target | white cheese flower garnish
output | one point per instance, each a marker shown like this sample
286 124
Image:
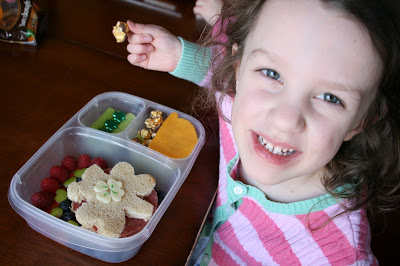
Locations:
110 190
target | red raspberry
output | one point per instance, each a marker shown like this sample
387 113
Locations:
49 185
100 162
59 173
42 199
83 161
69 163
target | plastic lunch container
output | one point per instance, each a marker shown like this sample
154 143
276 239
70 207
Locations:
75 138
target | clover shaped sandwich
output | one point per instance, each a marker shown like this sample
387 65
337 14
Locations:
106 202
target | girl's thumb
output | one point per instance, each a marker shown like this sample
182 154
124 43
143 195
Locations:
135 27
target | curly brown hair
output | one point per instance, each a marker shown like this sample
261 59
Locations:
370 162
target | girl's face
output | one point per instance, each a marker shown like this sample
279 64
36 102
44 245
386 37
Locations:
306 78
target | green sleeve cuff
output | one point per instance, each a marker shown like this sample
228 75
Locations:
194 62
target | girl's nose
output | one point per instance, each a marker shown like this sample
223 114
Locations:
287 118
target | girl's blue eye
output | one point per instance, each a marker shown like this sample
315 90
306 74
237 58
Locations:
330 98
271 74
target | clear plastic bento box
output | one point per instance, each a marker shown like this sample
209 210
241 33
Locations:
75 138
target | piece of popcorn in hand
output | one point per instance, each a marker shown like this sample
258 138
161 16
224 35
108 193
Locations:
120 31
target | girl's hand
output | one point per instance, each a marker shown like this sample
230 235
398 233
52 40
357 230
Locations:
153 47
209 10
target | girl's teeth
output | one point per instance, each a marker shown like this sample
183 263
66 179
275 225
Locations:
269 147
275 150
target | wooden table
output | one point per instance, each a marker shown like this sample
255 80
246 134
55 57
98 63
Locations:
42 87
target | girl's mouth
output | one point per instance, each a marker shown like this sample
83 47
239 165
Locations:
275 149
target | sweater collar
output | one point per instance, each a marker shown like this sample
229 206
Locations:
236 190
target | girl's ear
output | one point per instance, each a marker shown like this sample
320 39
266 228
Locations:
234 51
357 129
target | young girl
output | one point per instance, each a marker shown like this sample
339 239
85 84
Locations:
308 97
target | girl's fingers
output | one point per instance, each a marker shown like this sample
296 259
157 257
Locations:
139 48
135 27
199 3
136 59
140 28
139 38
196 10
138 33
146 29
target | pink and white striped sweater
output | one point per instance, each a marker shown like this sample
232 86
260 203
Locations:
249 229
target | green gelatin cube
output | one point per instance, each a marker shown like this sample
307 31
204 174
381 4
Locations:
69 181
79 172
125 123
107 115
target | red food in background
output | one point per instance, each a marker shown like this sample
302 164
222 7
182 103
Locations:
83 161
59 173
42 199
69 163
100 162
49 184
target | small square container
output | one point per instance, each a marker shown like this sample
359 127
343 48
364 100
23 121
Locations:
75 138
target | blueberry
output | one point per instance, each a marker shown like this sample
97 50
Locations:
65 205
79 179
68 216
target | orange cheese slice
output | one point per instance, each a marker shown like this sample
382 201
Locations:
176 138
